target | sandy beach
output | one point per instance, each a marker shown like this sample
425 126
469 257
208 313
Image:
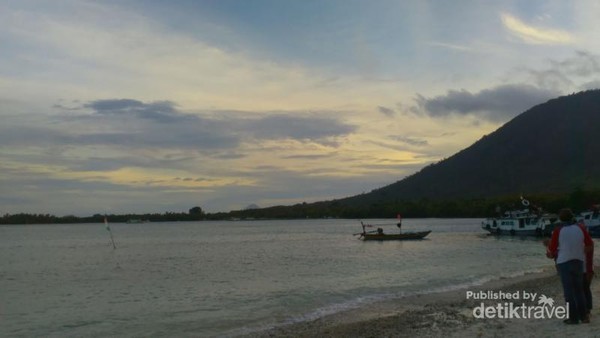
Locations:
451 314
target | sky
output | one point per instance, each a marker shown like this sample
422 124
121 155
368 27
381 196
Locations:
135 106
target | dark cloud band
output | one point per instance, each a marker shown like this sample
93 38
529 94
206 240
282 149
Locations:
497 104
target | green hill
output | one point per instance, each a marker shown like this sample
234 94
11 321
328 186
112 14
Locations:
551 152
553 147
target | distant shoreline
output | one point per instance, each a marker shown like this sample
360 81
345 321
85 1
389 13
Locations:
132 219
463 207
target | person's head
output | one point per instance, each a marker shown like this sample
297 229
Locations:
565 215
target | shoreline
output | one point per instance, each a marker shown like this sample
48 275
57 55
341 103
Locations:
448 314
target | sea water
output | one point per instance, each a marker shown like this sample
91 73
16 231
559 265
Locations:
203 279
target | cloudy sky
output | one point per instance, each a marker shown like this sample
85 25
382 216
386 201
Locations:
153 106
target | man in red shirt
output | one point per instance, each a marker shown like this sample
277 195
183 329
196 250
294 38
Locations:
572 248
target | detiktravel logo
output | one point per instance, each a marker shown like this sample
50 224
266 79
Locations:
516 305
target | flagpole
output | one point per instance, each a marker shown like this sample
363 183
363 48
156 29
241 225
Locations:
110 232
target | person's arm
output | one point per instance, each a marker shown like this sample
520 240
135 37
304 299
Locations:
552 249
589 248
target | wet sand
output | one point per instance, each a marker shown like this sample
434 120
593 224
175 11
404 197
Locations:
450 314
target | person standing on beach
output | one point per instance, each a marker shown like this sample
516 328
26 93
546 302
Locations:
588 273
569 246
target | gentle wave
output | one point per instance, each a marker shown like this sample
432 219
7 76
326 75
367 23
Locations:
233 278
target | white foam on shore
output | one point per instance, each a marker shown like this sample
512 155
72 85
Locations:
364 301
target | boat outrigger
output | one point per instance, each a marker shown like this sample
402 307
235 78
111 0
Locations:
379 235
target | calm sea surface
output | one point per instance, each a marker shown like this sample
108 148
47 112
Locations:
226 278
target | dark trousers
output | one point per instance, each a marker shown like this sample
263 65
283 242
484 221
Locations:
587 291
571 276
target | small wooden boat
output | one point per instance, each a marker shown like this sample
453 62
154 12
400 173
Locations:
379 235
394 237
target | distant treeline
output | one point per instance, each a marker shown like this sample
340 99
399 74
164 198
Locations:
194 214
577 200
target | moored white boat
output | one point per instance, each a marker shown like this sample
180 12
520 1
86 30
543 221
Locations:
525 222
591 219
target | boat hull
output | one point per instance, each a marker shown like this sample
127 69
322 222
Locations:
522 226
511 232
591 219
395 237
594 231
